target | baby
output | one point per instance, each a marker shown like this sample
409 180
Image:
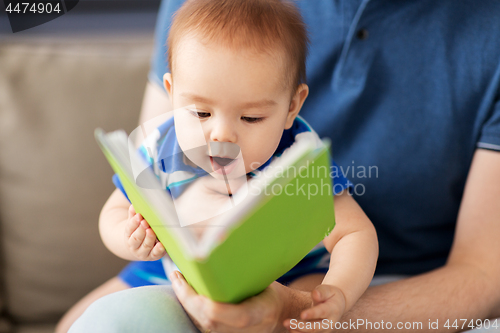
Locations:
238 69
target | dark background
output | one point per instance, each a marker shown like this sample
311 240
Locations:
90 17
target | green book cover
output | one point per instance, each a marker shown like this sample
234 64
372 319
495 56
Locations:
259 240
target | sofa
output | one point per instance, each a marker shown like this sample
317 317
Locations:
53 178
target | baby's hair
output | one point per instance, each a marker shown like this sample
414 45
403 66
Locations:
271 26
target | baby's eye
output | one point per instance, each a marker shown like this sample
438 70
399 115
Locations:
200 114
251 119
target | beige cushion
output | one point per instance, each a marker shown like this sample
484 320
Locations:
53 178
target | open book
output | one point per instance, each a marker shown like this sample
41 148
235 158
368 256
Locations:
288 211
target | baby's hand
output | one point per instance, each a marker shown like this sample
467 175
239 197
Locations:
328 302
141 239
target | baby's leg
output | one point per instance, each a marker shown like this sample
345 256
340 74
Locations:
143 309
113 285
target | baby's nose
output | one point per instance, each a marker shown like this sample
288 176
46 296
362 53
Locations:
223 131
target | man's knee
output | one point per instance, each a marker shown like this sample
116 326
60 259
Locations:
144 309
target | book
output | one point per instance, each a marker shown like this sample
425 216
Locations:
287 213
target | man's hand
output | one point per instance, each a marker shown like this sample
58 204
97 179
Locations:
328 302
259 314
141 239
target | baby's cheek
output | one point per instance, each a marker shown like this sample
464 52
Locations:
255 160
189 131
184 142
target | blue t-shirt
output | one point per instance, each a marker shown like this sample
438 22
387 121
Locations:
406 91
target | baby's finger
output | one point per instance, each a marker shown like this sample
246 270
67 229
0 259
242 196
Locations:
158 251
316 312
150 240
135 240
147 244
131 225
145 224
131 211
322 292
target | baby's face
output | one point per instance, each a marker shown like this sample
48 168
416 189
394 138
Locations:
227 99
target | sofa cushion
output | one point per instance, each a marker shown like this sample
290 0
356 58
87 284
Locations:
53 177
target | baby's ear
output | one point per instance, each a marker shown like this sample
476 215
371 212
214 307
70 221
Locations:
296 104
167 83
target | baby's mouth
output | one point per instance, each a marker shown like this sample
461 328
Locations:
222 165
224 157
222 161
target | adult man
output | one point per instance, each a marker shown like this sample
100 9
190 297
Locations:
409 90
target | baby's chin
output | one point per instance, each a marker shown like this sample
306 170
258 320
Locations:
224 186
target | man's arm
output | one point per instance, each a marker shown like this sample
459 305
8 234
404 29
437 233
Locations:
468 286
155 103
